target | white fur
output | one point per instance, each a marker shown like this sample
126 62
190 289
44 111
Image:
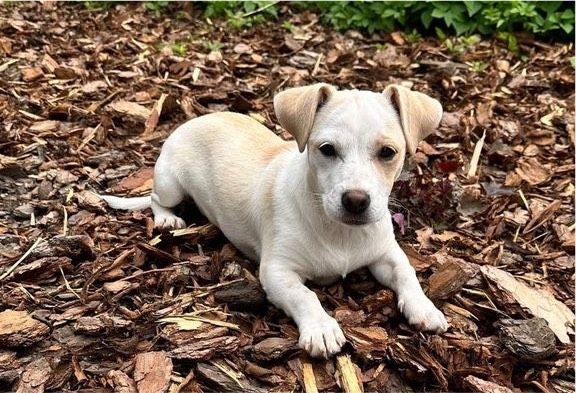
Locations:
283 207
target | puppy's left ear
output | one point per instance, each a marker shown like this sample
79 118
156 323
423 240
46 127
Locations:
296 109
419 114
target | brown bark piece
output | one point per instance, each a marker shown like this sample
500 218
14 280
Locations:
19 329
273 348
121 382
477 385
100 324
35 376
245 293
368 341
132 110
206 349
139 179
41 269
74 247
49 63
539 303
532 171
530 340
221 382
450 278
8 360
542 216
152 372
45 126
418 261
30 74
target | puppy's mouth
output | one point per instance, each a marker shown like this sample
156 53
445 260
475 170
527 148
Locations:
355 221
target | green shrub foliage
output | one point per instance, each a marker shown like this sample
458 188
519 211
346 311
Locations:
545 19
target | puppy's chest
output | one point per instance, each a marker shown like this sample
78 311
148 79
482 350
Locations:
327 261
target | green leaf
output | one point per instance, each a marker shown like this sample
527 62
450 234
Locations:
473 7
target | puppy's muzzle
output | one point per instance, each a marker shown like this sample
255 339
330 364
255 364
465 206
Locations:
355 201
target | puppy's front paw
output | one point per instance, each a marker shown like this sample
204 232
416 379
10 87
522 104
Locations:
321 337
168 222
421 313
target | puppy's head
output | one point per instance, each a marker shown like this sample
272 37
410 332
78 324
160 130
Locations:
356 142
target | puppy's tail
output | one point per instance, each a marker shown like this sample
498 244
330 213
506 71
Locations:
127 203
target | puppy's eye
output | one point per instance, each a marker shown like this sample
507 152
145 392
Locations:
327 150
387 153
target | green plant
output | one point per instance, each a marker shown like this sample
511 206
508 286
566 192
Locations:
413 36
179 48
212 46
97 5
477 66
156 6
543 18
241 14
287 25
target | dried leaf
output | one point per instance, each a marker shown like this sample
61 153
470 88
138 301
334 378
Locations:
537 302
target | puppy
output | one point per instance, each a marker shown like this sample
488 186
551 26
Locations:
314 209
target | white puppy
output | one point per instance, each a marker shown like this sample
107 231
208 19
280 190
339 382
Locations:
315 209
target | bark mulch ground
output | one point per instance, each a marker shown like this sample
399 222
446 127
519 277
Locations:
93 300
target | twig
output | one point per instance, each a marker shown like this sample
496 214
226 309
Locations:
317 65
142 273
524 200
65 223
68 284
348 377
309 378
476 156
260 9
19 261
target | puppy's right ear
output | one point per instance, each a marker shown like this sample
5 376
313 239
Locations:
296 109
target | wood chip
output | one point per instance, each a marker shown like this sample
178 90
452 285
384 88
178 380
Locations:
532 171
30 74
542 217
371 341
206 349
45 126
19 329
531 340
102 323
348 379
152 371
308 377
121 382
152 120
35 376
537 302
273 348
477 385
220 381
241 294
76 247
450 278
134 111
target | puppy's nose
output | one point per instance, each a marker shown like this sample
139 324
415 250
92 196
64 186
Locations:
355 201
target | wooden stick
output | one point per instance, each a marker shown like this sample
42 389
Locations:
348 377
476 156
309 378
23 257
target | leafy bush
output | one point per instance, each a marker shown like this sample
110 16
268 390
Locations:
542 18
242 13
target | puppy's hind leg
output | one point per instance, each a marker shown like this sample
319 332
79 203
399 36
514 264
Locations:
166 195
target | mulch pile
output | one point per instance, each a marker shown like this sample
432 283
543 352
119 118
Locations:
93 300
